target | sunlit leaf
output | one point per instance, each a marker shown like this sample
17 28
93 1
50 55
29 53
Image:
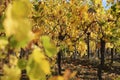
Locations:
17 24
38 66
12 73
3 43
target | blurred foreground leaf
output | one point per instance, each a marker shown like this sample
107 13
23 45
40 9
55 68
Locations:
50 49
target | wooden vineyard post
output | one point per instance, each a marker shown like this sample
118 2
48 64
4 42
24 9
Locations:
24 75
111 55
59 62
98 53
102 61
88 44
102 50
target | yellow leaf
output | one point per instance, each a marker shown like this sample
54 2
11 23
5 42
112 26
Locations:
73 74
3 43
37 55
60 78
40 59
11 73
109 45
82 48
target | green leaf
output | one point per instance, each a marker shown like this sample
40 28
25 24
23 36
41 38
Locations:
113 7
50 49
22 63
68 15
13 42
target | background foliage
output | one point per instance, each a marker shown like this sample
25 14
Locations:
24 25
